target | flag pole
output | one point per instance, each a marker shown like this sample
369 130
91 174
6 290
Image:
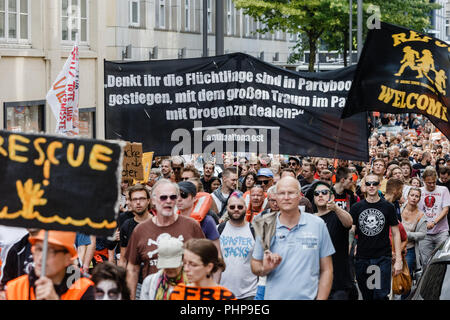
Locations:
44 254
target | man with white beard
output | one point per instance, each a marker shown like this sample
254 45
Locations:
142 247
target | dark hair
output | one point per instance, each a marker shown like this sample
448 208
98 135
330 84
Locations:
323 183
207 251
342 173
138 187
244 187
109 271
444 170
191 169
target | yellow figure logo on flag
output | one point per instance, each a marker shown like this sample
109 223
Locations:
423 65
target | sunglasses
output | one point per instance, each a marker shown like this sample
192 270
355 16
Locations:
176 168
292 163
239 206
319 192
260 182
372 183
183 194
184 179
171 197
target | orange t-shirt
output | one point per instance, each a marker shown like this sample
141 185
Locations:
184 292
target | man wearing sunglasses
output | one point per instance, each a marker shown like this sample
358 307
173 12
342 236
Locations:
297 258
295 164
338 222
186 204
237 242
264 178
177 167
142 247
373 259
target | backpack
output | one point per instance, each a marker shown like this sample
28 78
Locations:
221 226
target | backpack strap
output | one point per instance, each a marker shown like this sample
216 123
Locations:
221 226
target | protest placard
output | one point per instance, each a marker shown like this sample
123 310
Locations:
59 183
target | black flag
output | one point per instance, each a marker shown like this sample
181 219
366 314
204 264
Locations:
402 71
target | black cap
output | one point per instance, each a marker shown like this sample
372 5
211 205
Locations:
188 187
296 160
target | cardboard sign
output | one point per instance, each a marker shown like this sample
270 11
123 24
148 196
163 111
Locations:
59 183
132 161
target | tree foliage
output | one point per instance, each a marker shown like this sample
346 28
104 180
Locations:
328 20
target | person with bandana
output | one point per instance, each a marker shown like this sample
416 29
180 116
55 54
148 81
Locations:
159 286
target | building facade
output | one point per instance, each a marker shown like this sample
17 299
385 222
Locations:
36 37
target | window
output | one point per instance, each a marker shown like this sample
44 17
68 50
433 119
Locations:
230 17
87 122
209 16
14 20
187 15
134 13
161 12
74 19
27 116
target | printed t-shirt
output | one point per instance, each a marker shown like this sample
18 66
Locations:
142 246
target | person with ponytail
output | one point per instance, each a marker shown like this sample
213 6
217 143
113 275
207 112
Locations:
200 261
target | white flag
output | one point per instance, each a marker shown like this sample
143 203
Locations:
63 96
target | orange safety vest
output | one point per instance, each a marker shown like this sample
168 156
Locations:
184 292
248 214
19 289
202 204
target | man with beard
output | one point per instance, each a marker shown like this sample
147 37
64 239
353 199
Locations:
338 222
237 241
139 201
208 173
229 184
142 247
434 203
166 168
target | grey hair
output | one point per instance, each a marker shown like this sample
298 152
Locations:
165 181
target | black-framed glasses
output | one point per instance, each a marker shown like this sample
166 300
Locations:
261 182
183 194
239 206
184 179
165 197
372 183
323 192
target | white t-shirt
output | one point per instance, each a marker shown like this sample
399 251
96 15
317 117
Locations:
432 203
237 245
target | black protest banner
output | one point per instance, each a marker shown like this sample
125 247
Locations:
59 183
232 103
402 71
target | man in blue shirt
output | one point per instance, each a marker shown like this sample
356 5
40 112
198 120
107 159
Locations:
298 262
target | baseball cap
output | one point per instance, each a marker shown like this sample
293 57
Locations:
295 159
264 172
170 253
188 187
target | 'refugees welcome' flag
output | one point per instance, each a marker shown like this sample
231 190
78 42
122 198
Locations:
63 96
402 71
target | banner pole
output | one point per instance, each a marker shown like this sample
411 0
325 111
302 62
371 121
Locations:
338 138
44 254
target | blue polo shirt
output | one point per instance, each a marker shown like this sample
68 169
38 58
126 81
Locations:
301 248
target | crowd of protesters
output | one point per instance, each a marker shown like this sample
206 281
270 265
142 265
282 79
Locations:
252 226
